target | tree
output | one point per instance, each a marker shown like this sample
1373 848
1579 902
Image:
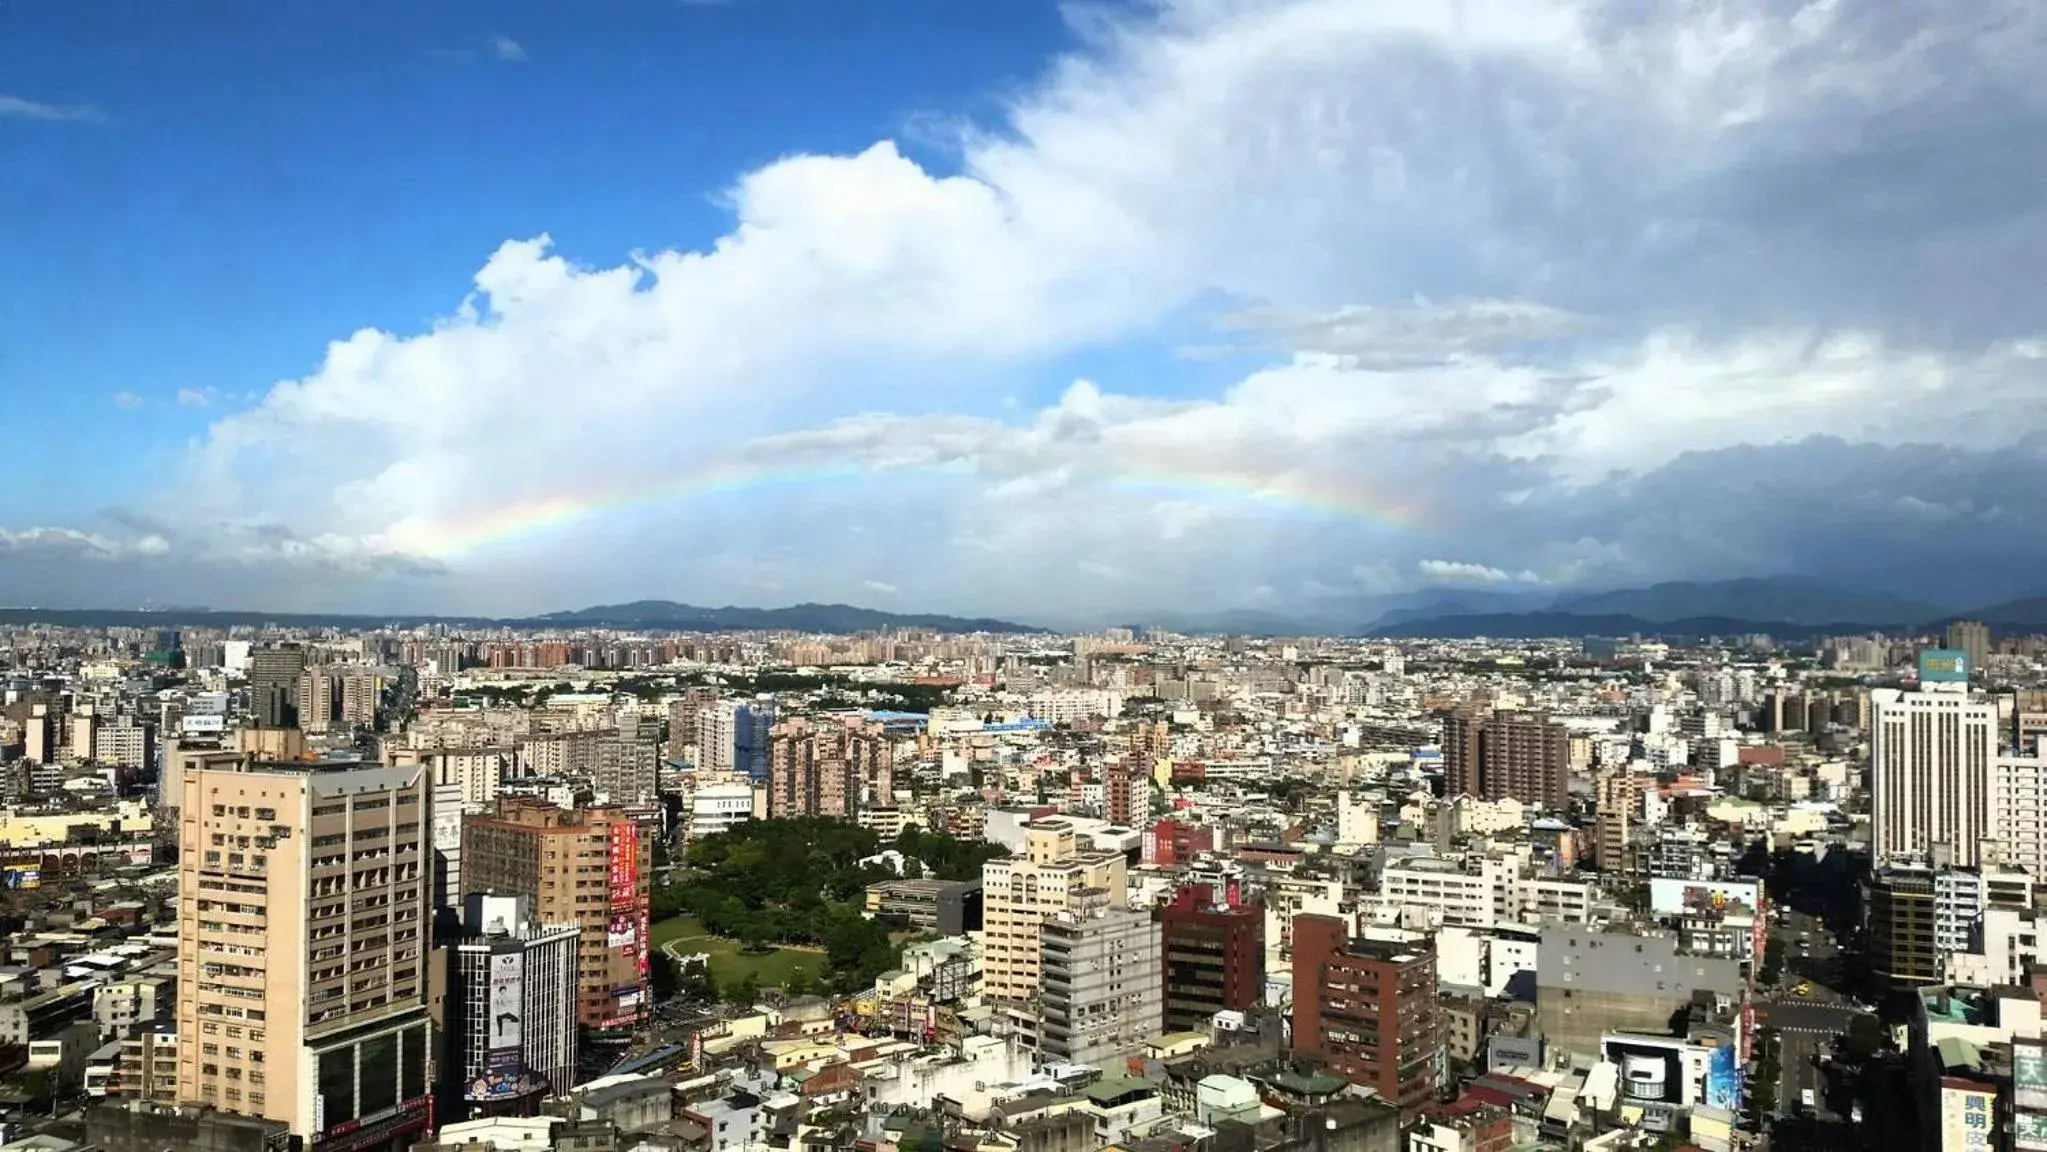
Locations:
798 982
1864 1040
697 983
913 869
744 991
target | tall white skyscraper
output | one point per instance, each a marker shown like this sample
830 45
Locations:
1929 772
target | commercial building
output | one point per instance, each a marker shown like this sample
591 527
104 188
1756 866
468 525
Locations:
948 907
1591 981
828 767
1019 894
1507 754
1102 992
510 1021
715 807
302 929
1930 756
1901 911
590 867
1972 639
1368 1009
274 672
1214 956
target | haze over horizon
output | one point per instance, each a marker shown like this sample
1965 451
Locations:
1007 309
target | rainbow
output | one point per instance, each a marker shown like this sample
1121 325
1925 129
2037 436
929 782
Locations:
521 519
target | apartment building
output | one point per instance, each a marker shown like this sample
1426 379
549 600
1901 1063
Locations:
1481 891
1493 755
302 927
1018 895
828 767
2018 812
1214 956
1368 1009
1102 989
590 867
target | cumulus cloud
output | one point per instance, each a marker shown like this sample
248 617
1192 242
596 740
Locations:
507 49
127 399
197 397
1497 272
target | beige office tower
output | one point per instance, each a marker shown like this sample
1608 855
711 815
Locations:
302 933
1018 895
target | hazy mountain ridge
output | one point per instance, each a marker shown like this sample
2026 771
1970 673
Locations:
806 617
648 614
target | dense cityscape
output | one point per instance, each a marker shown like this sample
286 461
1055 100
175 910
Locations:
1023 576
440 888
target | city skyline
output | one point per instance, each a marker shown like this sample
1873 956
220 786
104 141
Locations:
1201 305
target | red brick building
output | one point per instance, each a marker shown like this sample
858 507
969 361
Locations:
1368 1009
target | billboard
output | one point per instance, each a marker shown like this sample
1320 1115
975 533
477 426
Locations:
506 1005
2029 1074
1676 897
1968 1117
1943 666
1723 1079
2029 1131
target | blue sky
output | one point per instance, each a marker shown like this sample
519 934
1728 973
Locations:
1307 306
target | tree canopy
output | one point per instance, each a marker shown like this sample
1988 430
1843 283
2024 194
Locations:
800 881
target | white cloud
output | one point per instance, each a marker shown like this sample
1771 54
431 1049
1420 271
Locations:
1462 572
197 397
881 586
1506 247
127 399
20 108
507 49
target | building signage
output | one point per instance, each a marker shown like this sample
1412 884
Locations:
506 1004
1943 666
2029 1131
1968 1119
2029 1075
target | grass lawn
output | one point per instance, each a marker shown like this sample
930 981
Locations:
728 961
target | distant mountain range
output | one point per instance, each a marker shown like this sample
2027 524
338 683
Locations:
646 614
1783 607
795 618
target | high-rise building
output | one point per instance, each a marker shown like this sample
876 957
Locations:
1901 911
1929 765
1054 875
319 695
590 867
718 736
1972 638
1499 755
627 769
1101 991
302 934
685 718
1368 1008
1619 800
1214 950
1126 793
511 1010
752 723
2018 812
274 684
832 767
